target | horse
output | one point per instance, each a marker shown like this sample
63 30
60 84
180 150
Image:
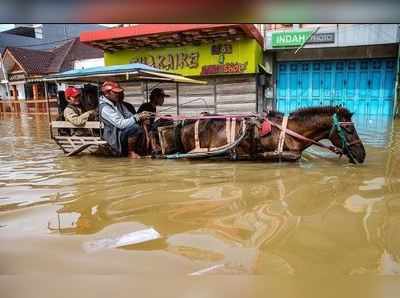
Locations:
284 141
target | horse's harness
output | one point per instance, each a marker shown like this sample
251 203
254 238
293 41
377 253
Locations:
336 126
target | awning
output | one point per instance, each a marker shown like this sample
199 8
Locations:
165 35
121 73
174 77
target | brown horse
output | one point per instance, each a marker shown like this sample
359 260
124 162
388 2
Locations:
305 127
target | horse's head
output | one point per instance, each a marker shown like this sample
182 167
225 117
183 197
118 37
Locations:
343 135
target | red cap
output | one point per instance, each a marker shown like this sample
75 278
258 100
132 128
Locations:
109 85
72 91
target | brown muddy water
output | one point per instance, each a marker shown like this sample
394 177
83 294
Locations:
320 227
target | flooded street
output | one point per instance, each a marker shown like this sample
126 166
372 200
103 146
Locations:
242 226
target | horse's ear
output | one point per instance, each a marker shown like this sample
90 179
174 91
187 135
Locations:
351 114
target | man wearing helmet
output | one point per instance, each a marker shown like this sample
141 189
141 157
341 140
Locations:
120 124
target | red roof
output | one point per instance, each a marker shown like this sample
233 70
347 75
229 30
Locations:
32 61
56 60
117 38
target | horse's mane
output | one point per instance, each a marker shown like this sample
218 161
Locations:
312 111
275 114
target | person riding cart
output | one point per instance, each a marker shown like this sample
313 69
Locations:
74 112
119 123
156 99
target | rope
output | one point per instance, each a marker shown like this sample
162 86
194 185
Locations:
219 151
182 117
299 136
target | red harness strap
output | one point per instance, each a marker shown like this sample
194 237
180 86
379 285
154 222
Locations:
265 128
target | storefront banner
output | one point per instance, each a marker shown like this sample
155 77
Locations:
237 57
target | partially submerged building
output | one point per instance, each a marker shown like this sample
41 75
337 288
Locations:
23 69
354 65
228 56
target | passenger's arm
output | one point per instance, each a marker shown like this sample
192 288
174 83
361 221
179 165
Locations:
116 119
74 118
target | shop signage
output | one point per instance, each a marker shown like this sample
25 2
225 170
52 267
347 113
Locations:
16 77
229 68
170 62
290 38
322 38
237 57
298 38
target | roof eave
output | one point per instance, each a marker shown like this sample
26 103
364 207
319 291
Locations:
133 31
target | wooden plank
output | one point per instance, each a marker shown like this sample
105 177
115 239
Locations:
196 89
196 111
74 138
197 100
236 98
66 124
78 150
237 88
236 108
198 107
235 79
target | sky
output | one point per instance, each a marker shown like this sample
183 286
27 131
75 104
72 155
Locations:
4 27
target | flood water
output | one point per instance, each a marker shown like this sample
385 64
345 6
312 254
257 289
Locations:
231 229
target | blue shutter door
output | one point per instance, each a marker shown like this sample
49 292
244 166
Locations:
361 107
293 82
282 86
340 79
375 86
327 84
316 83
305 86
364 86
388 87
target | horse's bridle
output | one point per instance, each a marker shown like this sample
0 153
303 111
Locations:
338 127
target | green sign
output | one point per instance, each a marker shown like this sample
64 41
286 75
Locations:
222 57
290 38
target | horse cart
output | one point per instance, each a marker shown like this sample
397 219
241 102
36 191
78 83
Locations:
268 136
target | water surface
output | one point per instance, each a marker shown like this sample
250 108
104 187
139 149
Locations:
256 223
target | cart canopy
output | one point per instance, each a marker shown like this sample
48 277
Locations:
120 73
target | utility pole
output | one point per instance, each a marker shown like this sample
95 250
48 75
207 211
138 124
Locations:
5 75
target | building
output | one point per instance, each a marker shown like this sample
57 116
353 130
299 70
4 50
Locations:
42 36
225 55
40 39
331 64
22 69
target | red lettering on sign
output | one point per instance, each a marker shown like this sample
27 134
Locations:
224 68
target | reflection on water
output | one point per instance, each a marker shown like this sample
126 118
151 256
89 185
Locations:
375 130
318 216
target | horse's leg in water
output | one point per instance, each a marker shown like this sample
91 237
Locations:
146 141
284 156
155 148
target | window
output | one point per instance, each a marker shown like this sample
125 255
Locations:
38 31
316 66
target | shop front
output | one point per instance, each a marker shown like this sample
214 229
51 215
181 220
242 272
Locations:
225 56
361 78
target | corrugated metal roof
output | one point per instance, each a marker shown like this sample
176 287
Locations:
126 72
